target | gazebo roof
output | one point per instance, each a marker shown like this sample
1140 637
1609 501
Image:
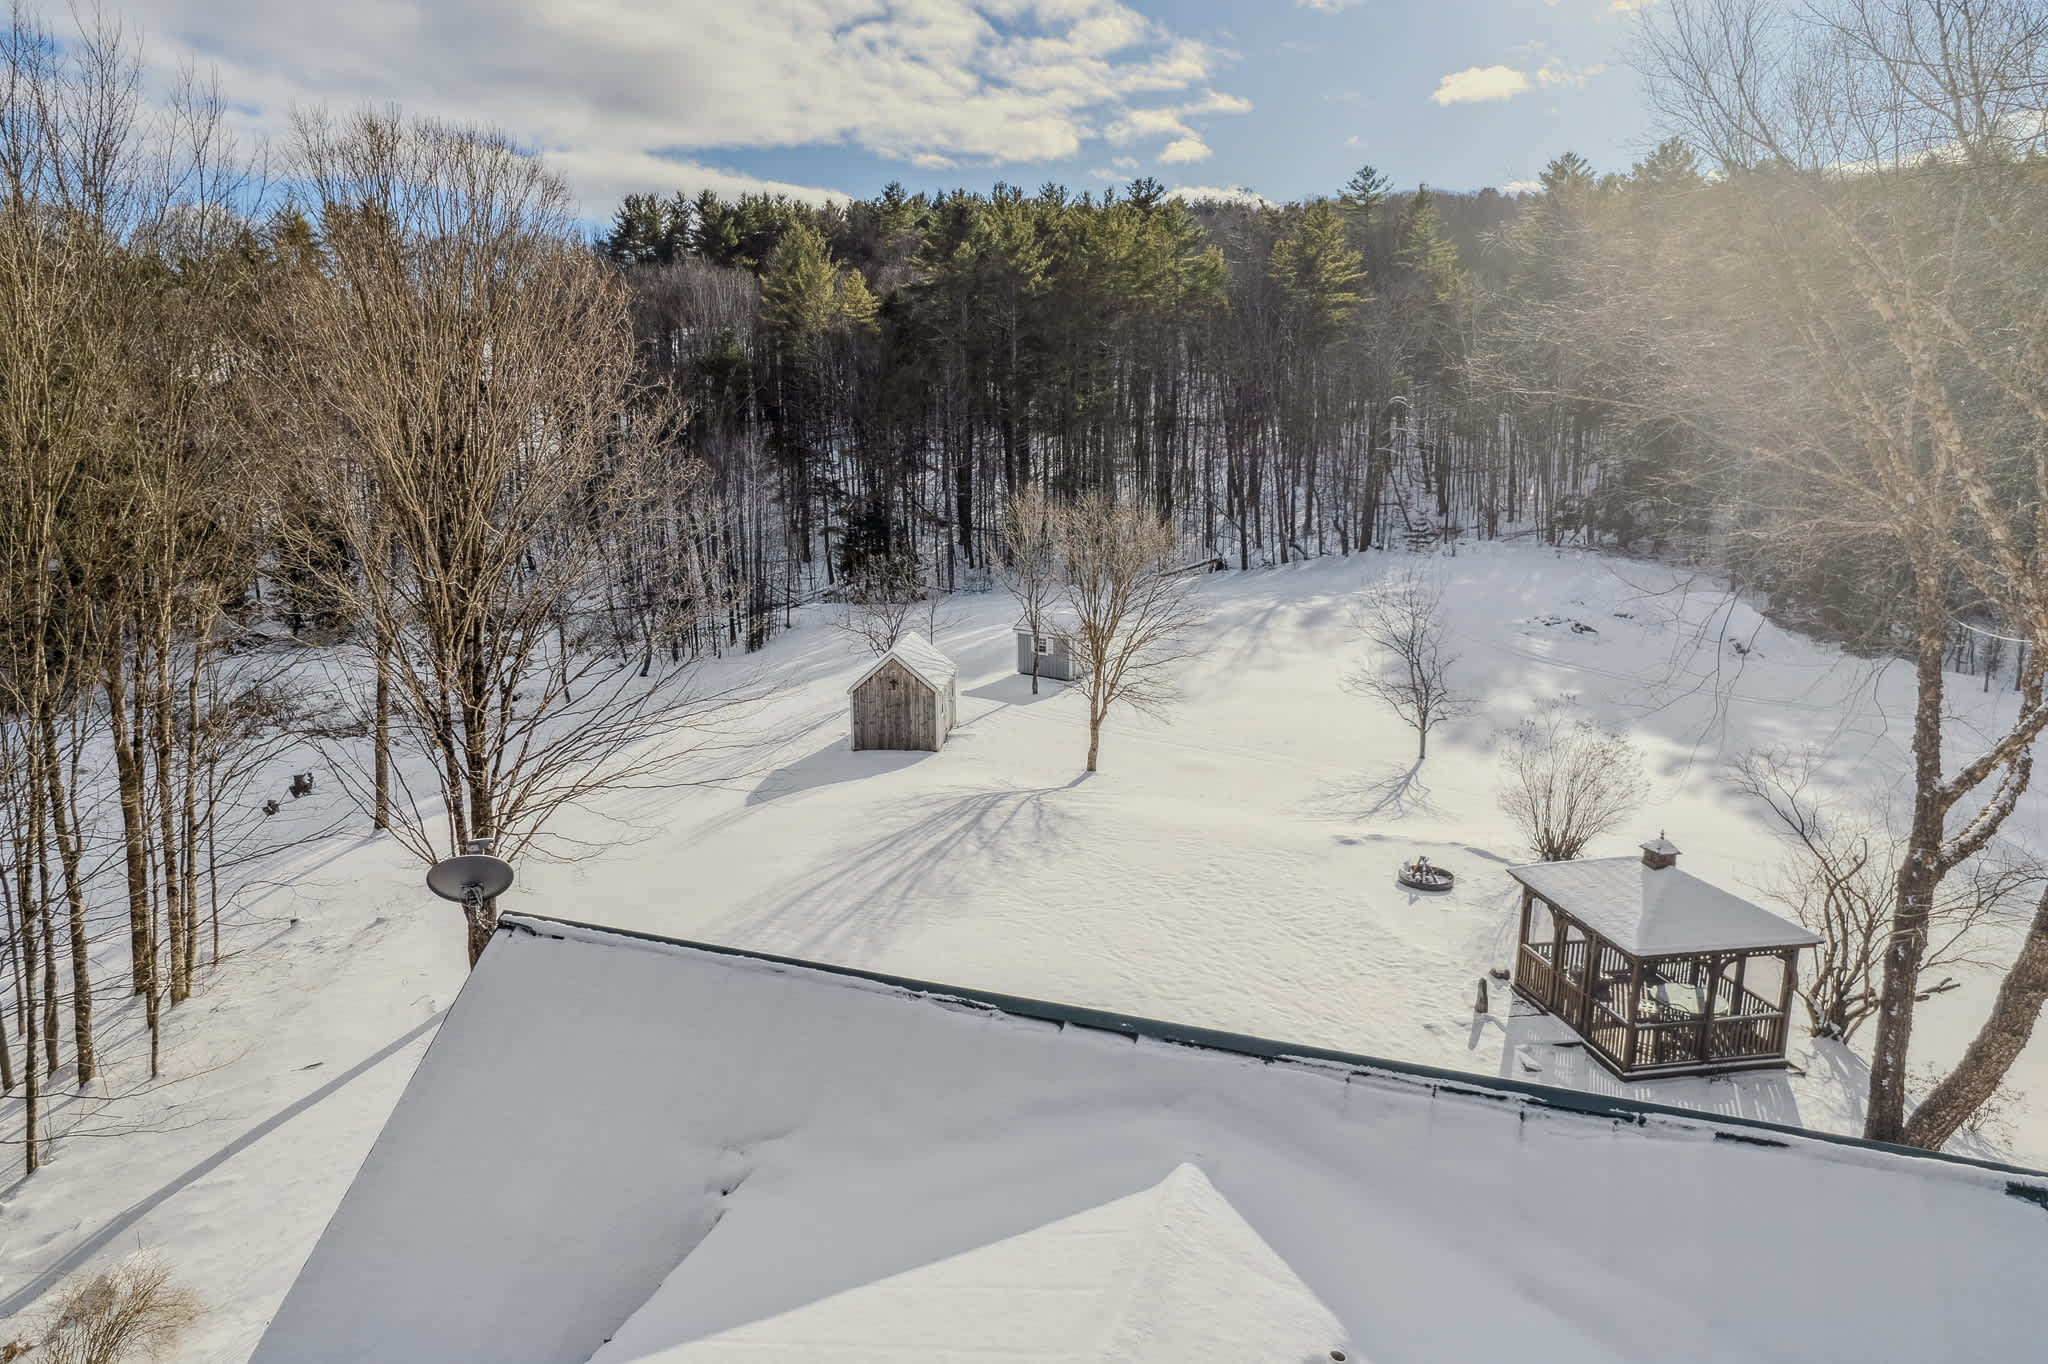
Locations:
1657 912
916 653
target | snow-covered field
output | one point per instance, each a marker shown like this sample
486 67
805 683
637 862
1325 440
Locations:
1232 869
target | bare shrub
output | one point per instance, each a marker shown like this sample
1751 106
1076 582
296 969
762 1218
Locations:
1402 617
1565 780
1839 877
134 1311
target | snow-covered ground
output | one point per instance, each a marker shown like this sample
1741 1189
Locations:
1232 869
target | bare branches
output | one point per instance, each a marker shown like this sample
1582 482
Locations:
1884 253
134 1311
1840 877
883 597
1026 560
458 374
1402 618
1565 781
1130 612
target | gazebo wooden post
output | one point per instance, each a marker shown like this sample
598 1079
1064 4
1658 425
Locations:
1557 976
1785 990
1635 992
1713 965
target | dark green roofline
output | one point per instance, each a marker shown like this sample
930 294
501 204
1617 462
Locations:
1754 1131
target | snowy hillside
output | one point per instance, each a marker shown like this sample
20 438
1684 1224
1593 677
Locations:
1233 869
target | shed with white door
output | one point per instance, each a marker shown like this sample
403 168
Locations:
910 698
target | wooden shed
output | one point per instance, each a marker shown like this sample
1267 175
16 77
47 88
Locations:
1662 973
909 699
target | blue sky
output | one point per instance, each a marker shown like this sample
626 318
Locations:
1285 97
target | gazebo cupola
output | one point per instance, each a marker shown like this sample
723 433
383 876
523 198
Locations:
1662 973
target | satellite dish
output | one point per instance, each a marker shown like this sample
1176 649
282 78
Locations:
470 878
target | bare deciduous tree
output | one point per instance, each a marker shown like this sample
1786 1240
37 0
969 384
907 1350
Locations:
1839 876
457 370
1131 612
1402 617
1565 780
1026 560
1878 294
882 600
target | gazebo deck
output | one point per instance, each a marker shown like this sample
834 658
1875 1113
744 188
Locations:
1660 972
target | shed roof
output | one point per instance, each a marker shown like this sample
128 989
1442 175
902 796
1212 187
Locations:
916 653
693 1149
1655 912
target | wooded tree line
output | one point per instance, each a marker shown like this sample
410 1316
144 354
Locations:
503 489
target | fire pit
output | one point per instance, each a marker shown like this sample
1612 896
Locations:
1420 875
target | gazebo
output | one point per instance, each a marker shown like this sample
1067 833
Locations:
1660 972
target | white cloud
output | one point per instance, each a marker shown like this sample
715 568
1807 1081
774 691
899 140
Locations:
1476 83
1236 194
1555 72
1170 121
629 95
1628 6
1334 6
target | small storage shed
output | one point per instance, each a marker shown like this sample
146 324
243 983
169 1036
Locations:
1051 646
1662 973
909 699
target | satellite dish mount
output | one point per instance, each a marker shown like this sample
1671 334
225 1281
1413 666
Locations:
472 878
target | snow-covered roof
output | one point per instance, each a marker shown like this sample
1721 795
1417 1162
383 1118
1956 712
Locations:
1171 1272
916 653
697 1154
1653 912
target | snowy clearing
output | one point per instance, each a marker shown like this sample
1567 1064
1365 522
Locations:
1233 869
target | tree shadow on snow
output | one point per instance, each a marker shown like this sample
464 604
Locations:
852 906
1394 796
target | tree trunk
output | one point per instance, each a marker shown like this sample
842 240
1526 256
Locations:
33 1100
128 772
1997 1044
189 821
74 897
167 817
380 816
483 922
45 897
1919 874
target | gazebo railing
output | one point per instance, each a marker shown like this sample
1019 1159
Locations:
1534 973
1664 1014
